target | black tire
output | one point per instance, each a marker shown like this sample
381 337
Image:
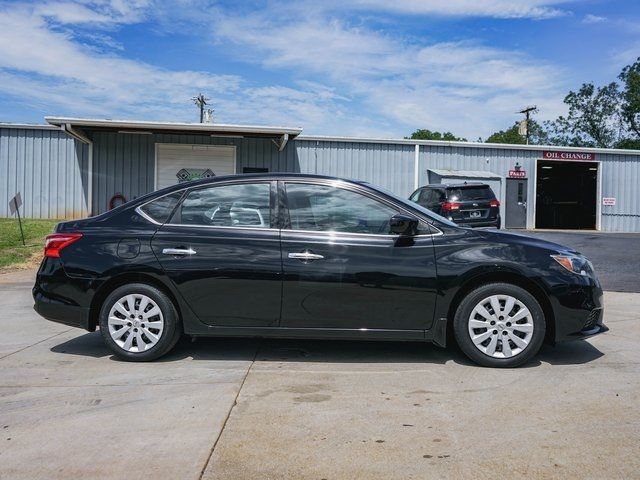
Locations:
172 329
465 309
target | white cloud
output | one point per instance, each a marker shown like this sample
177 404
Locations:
460 86
590 19
341 78
470 8
48 68
103 12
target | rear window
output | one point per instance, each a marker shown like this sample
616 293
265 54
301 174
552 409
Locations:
467 194
160 208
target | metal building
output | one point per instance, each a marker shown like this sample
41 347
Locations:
74 167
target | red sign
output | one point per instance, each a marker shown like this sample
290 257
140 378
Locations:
574 156
517 174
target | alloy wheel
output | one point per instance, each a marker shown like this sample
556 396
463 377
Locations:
501 326
135 323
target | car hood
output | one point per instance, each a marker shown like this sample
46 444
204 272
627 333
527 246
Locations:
522 239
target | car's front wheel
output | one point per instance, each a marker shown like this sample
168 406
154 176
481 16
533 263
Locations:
139 323
499 325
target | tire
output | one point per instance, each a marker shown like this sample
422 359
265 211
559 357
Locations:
522 327
153 330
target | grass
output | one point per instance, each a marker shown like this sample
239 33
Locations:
12 253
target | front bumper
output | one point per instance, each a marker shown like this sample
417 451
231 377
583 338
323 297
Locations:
578 310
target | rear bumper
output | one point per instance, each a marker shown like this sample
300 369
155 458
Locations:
56 310
61 298
490 221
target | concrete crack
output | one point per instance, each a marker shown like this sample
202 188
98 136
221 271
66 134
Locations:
224 424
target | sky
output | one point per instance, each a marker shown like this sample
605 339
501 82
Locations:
380 68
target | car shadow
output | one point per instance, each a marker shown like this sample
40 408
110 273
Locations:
327 351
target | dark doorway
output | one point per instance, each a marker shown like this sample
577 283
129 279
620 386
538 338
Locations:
516 203
566 195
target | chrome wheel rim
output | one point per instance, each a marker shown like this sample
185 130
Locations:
135 323
501 326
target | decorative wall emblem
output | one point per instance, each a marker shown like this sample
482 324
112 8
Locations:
188 174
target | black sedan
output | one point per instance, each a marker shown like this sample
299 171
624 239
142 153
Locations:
290 255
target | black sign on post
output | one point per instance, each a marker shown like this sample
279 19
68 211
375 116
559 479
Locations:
14 205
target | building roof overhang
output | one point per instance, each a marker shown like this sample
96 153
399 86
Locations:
78 128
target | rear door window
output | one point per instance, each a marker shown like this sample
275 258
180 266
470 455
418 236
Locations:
239 205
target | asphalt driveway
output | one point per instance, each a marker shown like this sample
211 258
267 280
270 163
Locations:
615 256
241 409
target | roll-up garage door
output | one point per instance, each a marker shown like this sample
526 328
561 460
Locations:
180 163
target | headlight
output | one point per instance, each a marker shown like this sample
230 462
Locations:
575 264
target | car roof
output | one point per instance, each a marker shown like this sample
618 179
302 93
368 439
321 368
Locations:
268 176
456 185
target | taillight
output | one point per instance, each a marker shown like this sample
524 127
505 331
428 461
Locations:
494 203
55 242
448 206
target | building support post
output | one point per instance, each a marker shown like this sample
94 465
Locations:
416 167
90 181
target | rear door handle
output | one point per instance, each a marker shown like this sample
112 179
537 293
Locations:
305 256
178 251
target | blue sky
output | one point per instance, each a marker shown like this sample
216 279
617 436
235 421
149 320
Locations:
367 67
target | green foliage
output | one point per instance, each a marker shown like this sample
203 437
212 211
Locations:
630 97
11 249
537 135
511 135
424 134
629 144
593 119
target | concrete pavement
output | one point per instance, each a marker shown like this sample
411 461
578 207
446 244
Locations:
236 409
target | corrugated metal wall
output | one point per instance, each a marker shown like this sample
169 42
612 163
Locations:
389 165
125 163
621 180
48 168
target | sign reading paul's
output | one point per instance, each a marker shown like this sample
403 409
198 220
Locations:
188 174
574 156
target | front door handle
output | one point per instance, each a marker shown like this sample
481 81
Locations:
178 251
305 256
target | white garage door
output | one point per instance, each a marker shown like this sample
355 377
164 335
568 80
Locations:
179 163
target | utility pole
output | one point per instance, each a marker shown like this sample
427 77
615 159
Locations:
200 100
527 111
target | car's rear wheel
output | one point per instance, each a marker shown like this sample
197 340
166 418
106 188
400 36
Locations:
139 322
499 325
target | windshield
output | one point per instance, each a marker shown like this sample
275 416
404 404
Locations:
411 204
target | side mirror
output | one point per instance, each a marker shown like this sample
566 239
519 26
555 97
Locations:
401 224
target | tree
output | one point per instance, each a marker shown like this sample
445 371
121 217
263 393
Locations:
537 135
630 98
424 134
593 119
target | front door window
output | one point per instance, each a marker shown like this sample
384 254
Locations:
325 208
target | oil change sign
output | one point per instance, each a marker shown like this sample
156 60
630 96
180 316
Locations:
609 201
575 156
